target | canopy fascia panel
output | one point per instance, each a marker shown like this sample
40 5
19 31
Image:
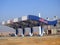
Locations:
31 17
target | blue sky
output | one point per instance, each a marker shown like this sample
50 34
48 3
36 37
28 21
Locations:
10 9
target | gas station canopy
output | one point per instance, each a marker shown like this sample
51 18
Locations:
28 21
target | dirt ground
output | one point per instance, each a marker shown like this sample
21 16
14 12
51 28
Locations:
45 40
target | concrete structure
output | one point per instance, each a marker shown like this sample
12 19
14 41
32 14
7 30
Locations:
29 24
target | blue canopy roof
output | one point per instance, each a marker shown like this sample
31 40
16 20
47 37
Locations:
32 17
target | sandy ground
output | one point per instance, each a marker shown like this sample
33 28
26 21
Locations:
46 40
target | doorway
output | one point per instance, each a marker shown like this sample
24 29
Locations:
49 31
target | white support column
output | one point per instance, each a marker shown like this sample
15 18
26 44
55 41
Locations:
41 31
23 32
16 32
31 33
